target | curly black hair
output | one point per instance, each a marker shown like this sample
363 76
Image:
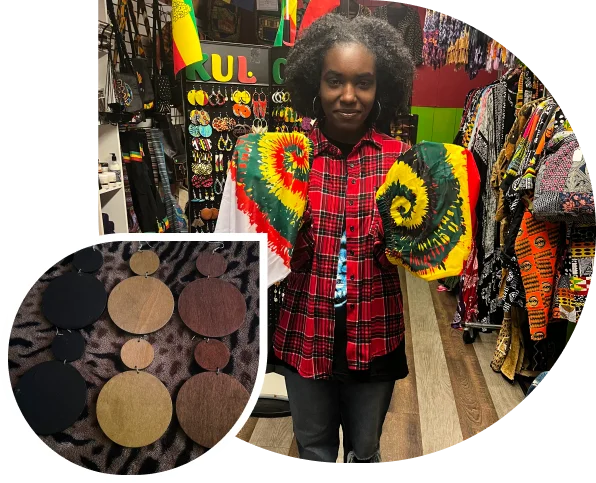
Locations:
394 64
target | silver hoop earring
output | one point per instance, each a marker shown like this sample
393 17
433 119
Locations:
379 104
314 112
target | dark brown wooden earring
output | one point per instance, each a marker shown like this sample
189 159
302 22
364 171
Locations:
210 403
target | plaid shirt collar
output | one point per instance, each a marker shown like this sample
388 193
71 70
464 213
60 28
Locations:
322 145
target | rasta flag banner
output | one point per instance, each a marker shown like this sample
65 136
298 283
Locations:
427 208
265 192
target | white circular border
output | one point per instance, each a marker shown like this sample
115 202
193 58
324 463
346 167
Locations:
55 255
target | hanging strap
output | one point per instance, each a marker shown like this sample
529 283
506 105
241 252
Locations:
159 54
133 41
126 63
142 10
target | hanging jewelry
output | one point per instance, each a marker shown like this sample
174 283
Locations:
191 96
134 408
194 116
229 144
236 96
221 100
213 98
52 395
141 304
74 300
262 104
193 129
201 98
200 398
205 131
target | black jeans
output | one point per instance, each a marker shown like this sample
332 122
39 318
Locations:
319 407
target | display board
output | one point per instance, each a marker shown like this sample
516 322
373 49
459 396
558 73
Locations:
236 89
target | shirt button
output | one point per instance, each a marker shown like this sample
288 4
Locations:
351 228
352 306
351 202
351 165
351 277
353 181
351 253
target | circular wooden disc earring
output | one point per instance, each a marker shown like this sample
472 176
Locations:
76 299
212 355
208 405
142 304
134 409
88 260
137 354
52 395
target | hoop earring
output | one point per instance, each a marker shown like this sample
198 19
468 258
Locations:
377 118
314 112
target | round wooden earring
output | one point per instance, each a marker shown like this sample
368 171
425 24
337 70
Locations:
76 299
88 260
210 403
52 395
141 304
134 409
209 306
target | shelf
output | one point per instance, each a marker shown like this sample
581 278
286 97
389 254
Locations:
109 190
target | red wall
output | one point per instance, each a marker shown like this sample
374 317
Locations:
445 87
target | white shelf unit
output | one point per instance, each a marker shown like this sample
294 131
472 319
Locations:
112 201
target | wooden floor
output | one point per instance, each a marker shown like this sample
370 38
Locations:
450 395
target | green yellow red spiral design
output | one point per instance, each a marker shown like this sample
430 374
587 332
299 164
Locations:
272 184
425 210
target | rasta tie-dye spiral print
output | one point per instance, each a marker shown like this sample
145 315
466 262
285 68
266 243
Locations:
271 175
426 210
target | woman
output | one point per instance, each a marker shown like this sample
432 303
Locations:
341 330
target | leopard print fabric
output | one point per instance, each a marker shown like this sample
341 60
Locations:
84 443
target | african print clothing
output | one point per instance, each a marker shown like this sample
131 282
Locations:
536 248
576 274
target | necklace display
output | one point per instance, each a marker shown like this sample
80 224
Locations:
209 403
134 408
141 304
52 395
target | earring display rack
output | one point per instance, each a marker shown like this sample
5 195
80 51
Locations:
217 113
210 144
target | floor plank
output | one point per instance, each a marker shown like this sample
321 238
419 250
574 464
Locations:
401 438
439 420
273 433
247 430
474 404
505 395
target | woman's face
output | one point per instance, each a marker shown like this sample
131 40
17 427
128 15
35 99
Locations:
348 88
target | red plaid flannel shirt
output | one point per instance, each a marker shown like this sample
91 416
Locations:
304 335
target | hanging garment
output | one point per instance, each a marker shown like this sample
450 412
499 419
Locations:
563 188
576 273
407 22
147 204
426 206
265 192
536 249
